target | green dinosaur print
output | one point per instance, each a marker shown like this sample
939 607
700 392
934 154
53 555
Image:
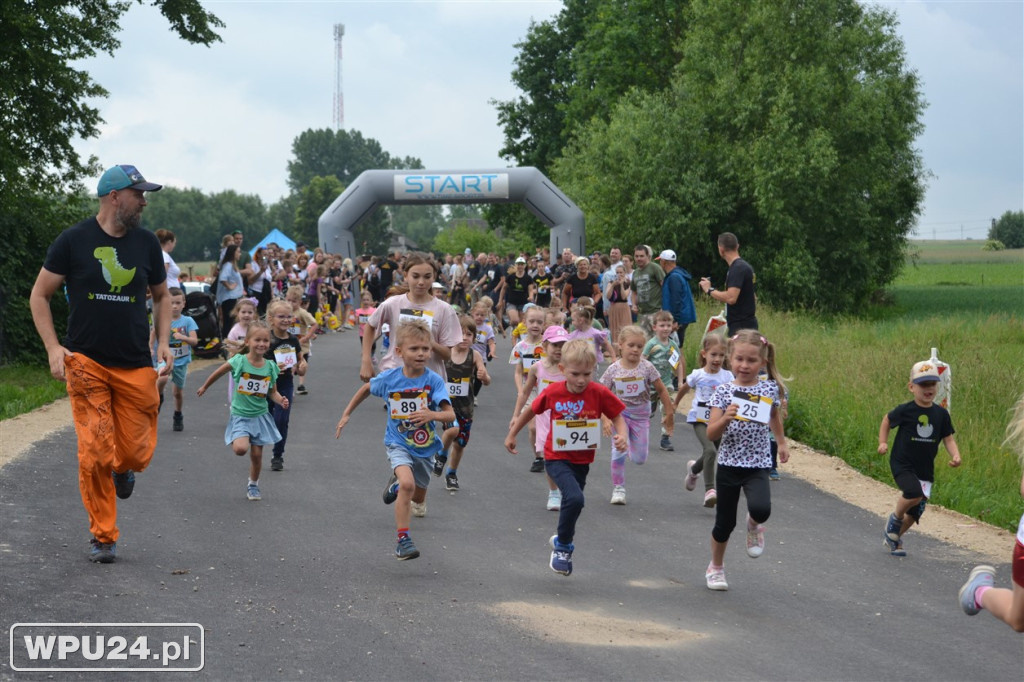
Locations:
115 275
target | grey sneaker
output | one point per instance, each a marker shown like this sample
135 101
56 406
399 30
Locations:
979 577
277 463
405 550
451 481
391 490
102 552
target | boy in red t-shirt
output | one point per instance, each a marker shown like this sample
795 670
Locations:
576 406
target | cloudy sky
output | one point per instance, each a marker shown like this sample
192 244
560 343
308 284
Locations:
418 76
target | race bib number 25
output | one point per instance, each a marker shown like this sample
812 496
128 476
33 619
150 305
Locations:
752 407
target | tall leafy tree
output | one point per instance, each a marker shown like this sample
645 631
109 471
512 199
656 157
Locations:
44 105
789 123
1009 229
44 97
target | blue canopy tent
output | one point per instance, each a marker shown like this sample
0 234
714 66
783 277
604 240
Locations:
275 236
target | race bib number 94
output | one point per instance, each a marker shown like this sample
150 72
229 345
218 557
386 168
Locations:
752 408
581 434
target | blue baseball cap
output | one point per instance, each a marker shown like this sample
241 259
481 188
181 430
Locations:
124 176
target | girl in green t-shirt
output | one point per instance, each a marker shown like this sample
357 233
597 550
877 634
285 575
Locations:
250 425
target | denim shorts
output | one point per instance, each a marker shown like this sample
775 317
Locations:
178 375
421 466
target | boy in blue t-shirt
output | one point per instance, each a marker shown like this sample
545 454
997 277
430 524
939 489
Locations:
416 397
184 335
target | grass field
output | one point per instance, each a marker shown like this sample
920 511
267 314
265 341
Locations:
848 372
23 389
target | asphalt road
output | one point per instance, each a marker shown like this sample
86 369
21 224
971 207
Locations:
303 585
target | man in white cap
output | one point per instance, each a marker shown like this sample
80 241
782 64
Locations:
519 290
107 264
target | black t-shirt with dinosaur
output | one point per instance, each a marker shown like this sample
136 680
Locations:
106 280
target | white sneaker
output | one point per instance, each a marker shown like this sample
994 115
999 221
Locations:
554 500
618 494
716 579
755 540
419 509
691 478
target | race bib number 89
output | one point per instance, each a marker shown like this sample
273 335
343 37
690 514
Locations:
401 406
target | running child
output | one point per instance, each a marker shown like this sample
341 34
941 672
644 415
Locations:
583 328
979 592
704 380
665 355
576 406
416 398
525 353
363 312
286 351
184 335
250 425
412 302
632 379
484 343
742 413
465 365
541 375
244 312
920 425
304 327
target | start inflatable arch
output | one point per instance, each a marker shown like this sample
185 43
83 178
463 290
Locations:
526 185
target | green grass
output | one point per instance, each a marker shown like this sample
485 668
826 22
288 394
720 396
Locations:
847 372
24 388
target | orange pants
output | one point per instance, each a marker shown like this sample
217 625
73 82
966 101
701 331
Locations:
115 415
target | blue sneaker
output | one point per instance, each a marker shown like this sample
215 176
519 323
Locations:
561 556
102 552
405 549
391 490
773 474
252 493
980 576
124 483
893 528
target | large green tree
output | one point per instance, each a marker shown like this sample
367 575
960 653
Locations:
45 103
1009 229
200 220
790 123
44 98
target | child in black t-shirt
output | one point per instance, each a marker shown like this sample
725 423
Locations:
286 351
920 425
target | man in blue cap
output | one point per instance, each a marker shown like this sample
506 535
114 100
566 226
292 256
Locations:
107 264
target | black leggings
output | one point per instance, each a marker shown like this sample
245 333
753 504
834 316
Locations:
729 481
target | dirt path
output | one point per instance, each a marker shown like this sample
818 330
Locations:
828 473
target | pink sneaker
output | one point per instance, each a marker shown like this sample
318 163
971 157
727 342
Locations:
691 478
755 540
710 498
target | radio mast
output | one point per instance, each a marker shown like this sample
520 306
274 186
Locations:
339 97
